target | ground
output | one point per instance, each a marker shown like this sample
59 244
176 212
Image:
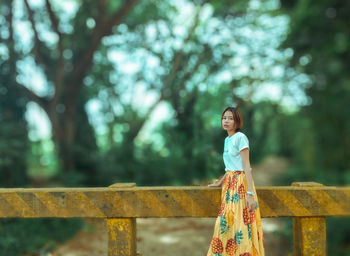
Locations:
179 236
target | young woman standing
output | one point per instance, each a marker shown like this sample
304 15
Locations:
238 229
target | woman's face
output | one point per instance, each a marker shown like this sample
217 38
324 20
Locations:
227 121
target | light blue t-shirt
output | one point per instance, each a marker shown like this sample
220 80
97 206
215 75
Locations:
231 155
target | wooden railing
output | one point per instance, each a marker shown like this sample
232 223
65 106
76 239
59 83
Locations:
308 203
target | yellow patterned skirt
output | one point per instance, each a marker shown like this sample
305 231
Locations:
237 231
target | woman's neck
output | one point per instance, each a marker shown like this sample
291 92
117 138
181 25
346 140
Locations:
230 133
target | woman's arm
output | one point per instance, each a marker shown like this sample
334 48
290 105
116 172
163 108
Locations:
219 182
222 179
246 167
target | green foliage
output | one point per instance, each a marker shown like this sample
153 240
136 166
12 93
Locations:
285 235
228 8
13 128
268 128
148 11
319 37
20 236
338 234
13 146
189 76
84 150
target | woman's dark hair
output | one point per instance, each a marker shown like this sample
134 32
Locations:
237 118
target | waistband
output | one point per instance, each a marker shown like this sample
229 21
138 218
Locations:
234 171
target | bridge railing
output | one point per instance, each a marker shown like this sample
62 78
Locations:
308 203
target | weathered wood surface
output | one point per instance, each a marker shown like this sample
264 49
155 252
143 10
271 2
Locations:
193 201
309 233
121 236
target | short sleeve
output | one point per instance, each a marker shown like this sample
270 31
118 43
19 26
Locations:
242 142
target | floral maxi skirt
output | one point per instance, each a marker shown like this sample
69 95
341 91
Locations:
237 231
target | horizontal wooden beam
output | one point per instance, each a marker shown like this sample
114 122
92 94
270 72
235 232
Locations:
167 202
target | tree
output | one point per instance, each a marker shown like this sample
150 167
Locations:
65 64
13 128
318 36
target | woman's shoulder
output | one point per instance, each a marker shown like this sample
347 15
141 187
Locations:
237 135
241 134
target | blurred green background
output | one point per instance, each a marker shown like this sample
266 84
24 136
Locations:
97 92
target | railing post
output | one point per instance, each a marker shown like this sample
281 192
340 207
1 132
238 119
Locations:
309 233
121 232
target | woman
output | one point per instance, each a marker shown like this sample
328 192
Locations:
238 229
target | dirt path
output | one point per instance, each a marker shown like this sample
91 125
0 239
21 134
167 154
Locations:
180 236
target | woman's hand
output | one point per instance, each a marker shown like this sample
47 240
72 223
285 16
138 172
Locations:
251 203
218 183
215 184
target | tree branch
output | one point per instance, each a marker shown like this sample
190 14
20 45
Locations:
188 74
165 97
10 20
118 17
38 44
171 75
169 79
59 76
174 92
102 29
42 102
53 19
